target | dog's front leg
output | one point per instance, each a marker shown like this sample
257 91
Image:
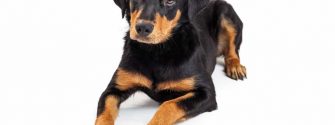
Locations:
109 103
191 104
122 85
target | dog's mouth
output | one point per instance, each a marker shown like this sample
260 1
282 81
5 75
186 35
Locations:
154 38
149 36
142 39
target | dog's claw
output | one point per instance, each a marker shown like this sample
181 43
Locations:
241 78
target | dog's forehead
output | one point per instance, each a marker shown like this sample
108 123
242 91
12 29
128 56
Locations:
155 2
147 1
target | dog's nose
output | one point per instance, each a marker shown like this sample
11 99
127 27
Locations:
144 29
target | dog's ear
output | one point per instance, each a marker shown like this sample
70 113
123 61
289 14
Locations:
195 6
124 6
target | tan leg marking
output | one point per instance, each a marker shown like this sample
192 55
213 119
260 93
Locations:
179 85
226 46
222 41
169 112
126 80
108 116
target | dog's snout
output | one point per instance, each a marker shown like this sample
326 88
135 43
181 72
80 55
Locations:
144 29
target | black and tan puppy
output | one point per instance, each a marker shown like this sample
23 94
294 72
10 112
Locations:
170 53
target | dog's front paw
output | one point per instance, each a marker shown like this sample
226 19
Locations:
104 121
235 70
159 123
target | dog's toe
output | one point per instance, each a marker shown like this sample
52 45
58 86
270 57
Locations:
235 70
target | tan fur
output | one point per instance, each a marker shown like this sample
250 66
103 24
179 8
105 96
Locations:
108 116
178 85
226 37
126 80
226 46
162 28
222 41
133 21
169 112
231 33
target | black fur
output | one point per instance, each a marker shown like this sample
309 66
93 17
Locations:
191 51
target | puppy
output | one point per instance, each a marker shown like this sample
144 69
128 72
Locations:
170 53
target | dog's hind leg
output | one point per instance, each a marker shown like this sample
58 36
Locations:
229 40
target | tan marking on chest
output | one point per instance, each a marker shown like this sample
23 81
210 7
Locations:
186 84
127 80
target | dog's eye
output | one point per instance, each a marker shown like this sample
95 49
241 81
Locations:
170 2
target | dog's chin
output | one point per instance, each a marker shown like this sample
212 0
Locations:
144 40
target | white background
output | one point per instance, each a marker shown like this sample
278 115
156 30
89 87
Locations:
57 56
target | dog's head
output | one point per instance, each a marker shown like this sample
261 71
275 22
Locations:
153 21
